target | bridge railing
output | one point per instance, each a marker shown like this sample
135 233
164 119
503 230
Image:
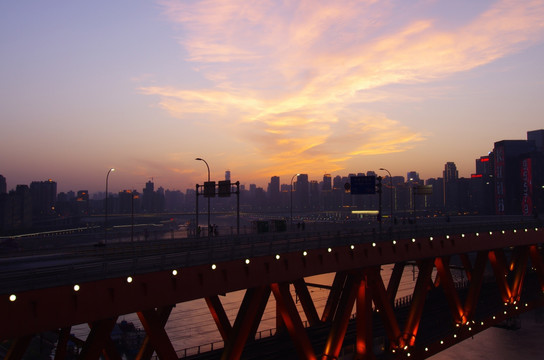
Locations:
62 266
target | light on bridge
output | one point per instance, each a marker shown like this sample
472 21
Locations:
247 261
431 238
373 244
12 297
394 242
129 279
413 240
352 247
214 266
278 256
304 253
329 250
76 287
174 272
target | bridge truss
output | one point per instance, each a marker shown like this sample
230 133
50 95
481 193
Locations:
513 256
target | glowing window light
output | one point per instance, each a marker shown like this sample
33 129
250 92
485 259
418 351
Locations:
12 297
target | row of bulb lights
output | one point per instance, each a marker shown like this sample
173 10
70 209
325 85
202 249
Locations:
77 287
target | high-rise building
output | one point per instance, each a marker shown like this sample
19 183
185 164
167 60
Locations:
327 182
450 178
302 191
3 185
513 175
227 175
44 196
537 136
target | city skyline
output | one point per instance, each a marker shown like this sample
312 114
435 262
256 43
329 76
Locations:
261 89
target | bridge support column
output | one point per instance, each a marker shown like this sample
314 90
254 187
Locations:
446 280
146 350
293 322
420 293
332 301
248 318
382 303
364 338
306 300
341 320
98 338
219 316
394 281
158 337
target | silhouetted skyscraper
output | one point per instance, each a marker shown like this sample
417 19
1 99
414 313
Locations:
227 175
450 177
537 136
3 185
44 196
327 182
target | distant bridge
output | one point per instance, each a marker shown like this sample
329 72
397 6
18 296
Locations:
58 288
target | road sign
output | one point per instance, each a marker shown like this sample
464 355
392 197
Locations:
224 189
423 189
209 189
362 185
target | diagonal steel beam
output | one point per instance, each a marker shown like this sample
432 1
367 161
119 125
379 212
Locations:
158 338
146 350
219 316
293 322
341 320
248 315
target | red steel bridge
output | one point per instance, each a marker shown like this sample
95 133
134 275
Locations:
53 288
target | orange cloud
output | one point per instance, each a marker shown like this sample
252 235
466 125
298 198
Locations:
295 76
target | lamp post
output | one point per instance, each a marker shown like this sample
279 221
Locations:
106 212
207 166
391 185
292 197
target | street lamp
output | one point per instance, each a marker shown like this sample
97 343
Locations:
292 197
391 185
200 159
106 212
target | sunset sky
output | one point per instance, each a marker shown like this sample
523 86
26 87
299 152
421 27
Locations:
261 88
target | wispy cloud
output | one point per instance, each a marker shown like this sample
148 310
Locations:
298 74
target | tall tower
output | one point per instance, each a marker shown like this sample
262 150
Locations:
227 175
